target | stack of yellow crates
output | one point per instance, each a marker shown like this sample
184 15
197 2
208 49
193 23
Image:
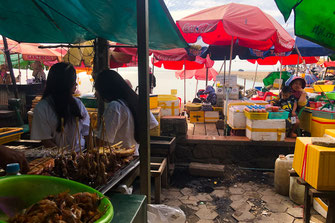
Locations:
315 164
319 125
157 130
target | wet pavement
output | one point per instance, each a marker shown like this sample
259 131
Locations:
239 196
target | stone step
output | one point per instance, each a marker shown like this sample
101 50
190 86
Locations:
206 170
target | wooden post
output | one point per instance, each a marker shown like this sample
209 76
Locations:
10 66
143 80
206 77
100 64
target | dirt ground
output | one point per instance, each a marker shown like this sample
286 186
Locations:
238 196
250 75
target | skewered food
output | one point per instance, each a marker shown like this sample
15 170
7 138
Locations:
64 207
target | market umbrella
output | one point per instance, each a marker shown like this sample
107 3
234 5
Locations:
236 23
308 48
31 51
271 77
199 74
292 59
177 59
313 20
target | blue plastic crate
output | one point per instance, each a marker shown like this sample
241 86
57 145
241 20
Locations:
279 115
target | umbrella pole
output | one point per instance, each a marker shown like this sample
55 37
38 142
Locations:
281 68
196 89
253 84
227 87
18 57
224 71
206 77
184 82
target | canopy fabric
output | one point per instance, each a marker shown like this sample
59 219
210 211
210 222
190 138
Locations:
247 24
308 48
270 78
198 74
313 20
32 52
329 64
185 64
287 60
16 58
75 21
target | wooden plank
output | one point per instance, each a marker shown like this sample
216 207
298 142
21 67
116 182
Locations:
322 194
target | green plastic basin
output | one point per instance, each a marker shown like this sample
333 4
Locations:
33 188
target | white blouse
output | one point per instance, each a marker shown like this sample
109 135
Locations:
45 124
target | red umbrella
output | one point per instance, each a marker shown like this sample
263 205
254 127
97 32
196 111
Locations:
199 74
30 51
178 59
248 24
285 60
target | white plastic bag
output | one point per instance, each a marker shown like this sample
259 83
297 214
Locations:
160 213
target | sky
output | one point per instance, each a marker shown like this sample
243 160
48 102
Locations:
182 8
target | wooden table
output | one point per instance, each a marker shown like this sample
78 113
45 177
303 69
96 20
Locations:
310 193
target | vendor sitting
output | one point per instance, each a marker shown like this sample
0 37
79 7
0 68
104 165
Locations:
211 98
289 103
297 85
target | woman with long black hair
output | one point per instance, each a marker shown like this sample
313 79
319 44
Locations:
121 111
59 104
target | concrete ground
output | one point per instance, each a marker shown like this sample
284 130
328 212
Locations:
247 197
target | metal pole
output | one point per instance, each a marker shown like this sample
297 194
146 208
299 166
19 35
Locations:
10 66
281 68
143 80
224 71
253 85
196 89
206 77
245 80
227 85
184 82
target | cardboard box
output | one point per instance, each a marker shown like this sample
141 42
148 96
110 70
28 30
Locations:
266 130
232 81
314 164
211 116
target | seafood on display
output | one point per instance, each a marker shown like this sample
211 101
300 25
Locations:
62 208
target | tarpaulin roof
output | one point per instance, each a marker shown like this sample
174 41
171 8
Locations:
74 21
313 20
252 27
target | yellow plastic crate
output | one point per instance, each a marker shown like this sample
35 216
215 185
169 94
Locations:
309 89
256 115
323 88
306 120
10 134
318 164
197 116
153 101
319 125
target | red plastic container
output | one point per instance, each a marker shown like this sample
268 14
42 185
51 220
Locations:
314 104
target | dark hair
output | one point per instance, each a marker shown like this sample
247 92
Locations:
61 79
286 89
111 87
